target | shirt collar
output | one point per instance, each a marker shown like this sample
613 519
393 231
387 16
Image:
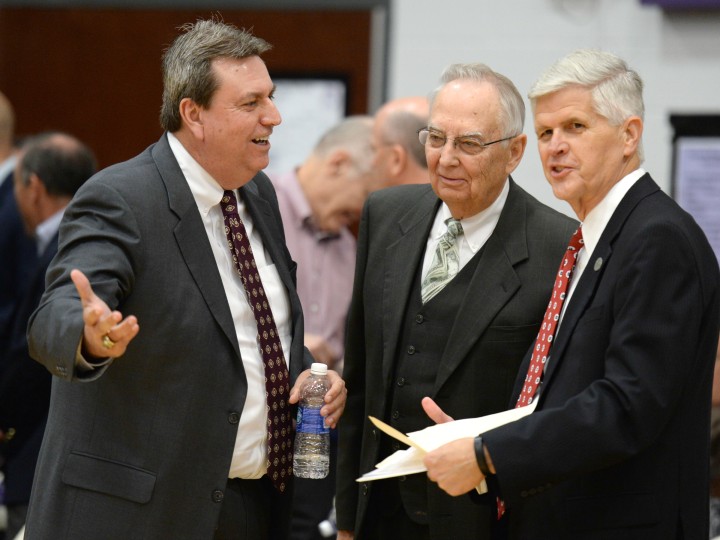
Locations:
598 218
6 167
296 199
47 229
478 228
205 189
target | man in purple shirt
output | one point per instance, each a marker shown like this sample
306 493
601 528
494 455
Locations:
320 201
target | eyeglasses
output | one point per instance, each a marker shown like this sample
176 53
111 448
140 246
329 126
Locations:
468 144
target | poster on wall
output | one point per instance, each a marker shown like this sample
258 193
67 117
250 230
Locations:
697 183
309 107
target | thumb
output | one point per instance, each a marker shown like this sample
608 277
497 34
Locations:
82 284
434 412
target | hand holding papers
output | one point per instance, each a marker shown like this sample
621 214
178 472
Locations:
410 460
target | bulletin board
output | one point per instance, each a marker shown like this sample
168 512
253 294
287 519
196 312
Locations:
696 171
309 106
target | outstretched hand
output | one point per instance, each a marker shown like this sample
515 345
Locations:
106 333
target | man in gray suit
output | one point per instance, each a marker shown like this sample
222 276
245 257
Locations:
433 315
167 432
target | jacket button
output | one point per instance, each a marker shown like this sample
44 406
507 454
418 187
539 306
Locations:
401 381
218 496
523 494
419 318
365 489
411 349
233 418
396 415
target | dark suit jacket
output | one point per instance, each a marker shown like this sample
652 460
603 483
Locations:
18 258
24 393
504 304
141 448
618 446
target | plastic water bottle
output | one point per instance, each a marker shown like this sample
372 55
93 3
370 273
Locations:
312 440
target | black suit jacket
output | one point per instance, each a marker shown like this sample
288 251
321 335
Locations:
24 393
500 316
18 258
141 448
618 446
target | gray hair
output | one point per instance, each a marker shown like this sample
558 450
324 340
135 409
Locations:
512 107
187 64
616 89
352 134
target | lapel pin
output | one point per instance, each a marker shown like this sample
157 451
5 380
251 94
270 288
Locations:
598 264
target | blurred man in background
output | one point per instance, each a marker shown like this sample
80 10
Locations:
320 202
398 158
51 168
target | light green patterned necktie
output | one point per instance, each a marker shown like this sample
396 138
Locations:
446 262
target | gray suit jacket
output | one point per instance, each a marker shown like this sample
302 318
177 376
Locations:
142 448
493 329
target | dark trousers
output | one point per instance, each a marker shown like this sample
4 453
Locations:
254 510
396 526
386 518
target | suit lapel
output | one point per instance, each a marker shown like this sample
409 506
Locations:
493 283
270 230
586 287
402 259
192 240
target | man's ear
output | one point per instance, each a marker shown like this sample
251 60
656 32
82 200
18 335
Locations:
192 118
516 149
36 187
338 161
632 133
398 160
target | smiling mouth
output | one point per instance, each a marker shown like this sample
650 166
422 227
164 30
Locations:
261 140
450 180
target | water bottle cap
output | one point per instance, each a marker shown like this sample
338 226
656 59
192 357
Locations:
318 368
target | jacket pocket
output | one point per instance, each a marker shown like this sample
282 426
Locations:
109 477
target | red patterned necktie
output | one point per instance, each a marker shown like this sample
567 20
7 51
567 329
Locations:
545 337
277 378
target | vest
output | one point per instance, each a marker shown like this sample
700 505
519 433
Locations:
423 339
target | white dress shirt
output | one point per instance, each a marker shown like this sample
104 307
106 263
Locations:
593 227
7 167
476 230
46 230
250 454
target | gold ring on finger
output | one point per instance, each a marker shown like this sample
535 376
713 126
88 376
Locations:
107 342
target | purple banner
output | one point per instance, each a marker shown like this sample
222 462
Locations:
684 4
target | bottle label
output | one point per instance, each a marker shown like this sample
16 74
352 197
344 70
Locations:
310 421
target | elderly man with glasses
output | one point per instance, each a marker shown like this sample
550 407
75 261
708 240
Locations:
451 283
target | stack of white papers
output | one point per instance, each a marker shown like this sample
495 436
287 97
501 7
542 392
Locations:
410 460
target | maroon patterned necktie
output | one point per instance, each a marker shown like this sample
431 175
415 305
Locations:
545 337
277 378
